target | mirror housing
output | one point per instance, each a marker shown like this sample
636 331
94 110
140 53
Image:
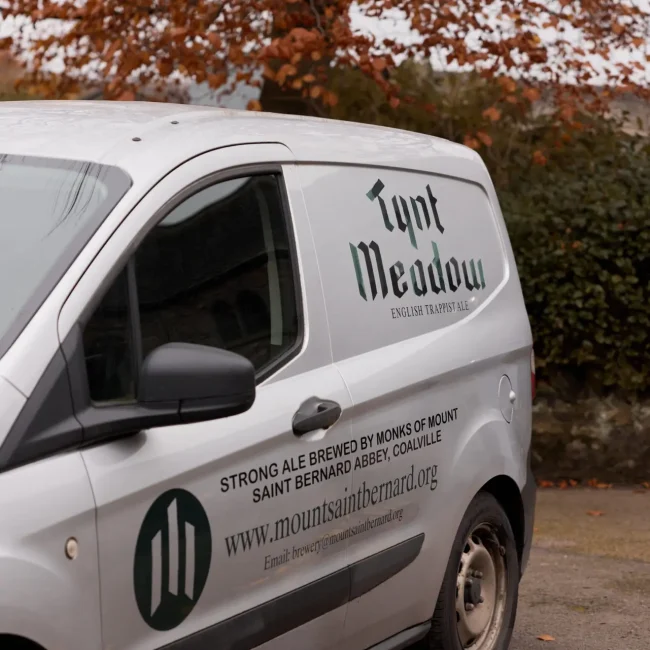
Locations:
178 383
203 382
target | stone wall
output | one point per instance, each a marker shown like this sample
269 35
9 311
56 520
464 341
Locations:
607 439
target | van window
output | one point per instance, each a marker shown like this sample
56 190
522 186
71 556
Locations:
216 271
110 362
50 210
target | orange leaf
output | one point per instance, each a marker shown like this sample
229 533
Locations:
379 64
215 40
217 80
254 105
126 96
178 31
329 98
531 94
394 102
492 113
471 142
595 513
539 158
316 56
573 482
546 637
567 112
484 138
165 67
508 84
309 78
287 70
315 92
272 51
546 484
302 34
603 486
563 485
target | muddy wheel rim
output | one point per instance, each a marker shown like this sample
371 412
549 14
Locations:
481 589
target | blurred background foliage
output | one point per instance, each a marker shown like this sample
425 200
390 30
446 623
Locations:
577 207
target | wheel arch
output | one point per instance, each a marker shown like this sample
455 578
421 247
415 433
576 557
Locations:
504 489
13 642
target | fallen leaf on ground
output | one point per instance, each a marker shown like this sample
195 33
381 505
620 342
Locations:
573 482
546 484
646 485
595 483
546 637
595 513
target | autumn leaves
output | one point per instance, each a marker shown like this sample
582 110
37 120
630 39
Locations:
126 46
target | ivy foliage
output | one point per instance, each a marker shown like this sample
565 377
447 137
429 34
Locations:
577 210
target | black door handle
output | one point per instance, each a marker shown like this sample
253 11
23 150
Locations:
315 413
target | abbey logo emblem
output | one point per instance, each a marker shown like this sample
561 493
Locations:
172 559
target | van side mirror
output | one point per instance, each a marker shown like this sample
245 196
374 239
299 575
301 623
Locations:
202 382
179 383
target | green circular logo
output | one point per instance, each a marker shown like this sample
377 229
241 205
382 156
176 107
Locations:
172 559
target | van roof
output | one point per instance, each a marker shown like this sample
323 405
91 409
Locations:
168 134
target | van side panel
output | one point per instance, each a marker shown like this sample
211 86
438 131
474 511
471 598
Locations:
47 597
411 253
426 317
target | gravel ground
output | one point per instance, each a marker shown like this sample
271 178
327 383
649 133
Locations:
584 603
588 582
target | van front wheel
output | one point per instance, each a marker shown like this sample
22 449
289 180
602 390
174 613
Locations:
477 603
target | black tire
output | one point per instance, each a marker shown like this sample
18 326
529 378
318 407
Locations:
444 634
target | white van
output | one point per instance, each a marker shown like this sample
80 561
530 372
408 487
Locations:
265 381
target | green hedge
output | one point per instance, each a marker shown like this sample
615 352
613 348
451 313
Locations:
580 231
579 225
